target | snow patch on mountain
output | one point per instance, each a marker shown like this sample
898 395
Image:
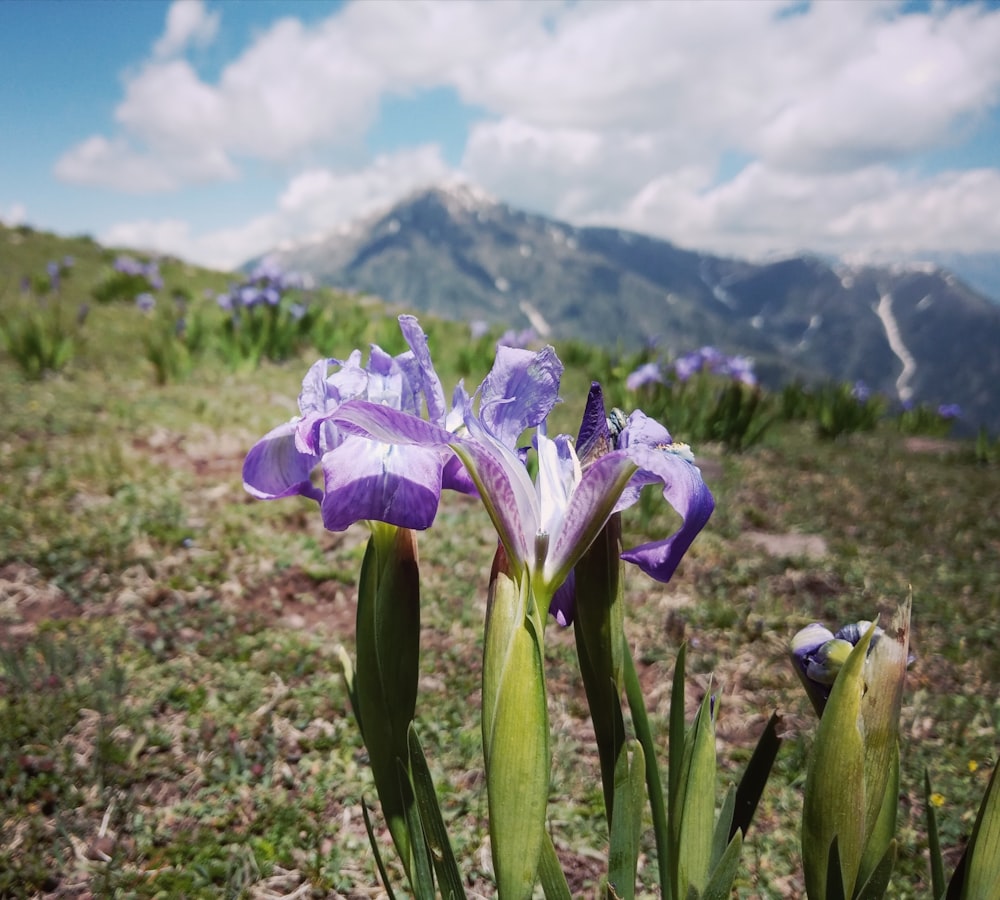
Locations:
903 382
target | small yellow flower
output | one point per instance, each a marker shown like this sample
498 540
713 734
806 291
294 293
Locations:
937 799
973 765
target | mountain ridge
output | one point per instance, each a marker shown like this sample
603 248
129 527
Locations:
911 330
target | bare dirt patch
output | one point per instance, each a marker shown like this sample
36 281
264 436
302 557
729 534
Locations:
791 544
294 599
27 601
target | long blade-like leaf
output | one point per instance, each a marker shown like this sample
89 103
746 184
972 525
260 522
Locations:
378 856
445 865
654 785
933 842
755 776
550 873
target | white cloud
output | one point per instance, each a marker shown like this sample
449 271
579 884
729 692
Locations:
13 215
314 202
630 113
763 211
188 22
119 165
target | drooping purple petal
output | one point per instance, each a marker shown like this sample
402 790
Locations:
275 468
685 490
400 485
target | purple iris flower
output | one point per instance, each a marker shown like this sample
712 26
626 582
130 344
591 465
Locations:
546 526
127 265
740 368
660 461
861 392
688 365
648 373
949 411
145 301
362 478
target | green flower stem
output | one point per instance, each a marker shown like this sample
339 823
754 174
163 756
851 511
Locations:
600 645
385 681
515 730
654 785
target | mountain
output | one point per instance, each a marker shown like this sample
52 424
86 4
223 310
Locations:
909 331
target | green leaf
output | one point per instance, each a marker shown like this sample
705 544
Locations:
654 784
387 670
724 829
626 825
720 883
835 784
982 873
693 807
550 873
755 776
933 842
599 631
421 876
675 738
834 874
378 856
445 866
877 882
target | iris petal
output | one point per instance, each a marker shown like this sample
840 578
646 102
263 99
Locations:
687 493
275 468
400 485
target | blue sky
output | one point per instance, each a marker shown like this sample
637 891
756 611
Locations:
217 130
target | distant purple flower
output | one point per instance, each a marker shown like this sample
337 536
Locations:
518 339
950 411
688 365
54 272
145 301
127 265
648 373
860 392
478 329
297 311
225 302
740 368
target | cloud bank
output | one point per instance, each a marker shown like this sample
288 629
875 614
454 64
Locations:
744 128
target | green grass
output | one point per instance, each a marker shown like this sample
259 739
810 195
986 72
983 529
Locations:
172 717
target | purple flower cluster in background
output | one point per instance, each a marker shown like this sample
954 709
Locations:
520 340
712 360
647 373
704 359
128 265
265 286
949 411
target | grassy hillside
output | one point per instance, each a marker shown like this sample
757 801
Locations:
172 717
